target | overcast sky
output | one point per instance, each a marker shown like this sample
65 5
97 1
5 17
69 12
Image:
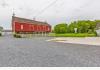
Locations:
57 12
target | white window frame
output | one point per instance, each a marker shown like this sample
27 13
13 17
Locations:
22 27
48 28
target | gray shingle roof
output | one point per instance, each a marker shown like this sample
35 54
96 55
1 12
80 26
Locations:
24 20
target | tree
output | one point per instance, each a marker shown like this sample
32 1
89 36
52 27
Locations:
71 27
83 26
1 29
61 28
93 26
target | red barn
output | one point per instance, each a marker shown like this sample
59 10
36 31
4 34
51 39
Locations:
22 25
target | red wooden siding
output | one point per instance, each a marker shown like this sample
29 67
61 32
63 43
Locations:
27 25
30 27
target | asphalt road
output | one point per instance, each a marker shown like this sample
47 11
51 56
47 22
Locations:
37 52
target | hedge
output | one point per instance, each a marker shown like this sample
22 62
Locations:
17 36
0 34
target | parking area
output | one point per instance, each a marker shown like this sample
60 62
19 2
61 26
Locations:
38 52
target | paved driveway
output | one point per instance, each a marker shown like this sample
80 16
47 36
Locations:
40 53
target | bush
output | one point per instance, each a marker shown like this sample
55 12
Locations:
60 28
83 26
71 27
90 31
17 36
95 33
0 34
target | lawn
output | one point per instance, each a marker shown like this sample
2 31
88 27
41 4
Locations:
73 35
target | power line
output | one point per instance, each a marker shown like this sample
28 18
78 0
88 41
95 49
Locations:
43 10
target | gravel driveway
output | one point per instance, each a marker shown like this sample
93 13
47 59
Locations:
37 52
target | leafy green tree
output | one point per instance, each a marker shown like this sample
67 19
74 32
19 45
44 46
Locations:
61 28
93 26
1 28
71 27
83 26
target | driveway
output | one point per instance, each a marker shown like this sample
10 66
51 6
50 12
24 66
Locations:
37 52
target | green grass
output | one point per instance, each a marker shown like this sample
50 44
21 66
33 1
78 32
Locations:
73 35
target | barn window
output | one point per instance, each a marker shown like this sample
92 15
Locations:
21 27
48 29
33 27
44 28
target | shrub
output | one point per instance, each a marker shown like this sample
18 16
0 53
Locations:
90 31
83 26
0 34
60 28
95 33
17 36
71 27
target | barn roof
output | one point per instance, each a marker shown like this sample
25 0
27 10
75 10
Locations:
24 20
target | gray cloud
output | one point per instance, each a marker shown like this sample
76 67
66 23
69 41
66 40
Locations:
4 4
61 11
